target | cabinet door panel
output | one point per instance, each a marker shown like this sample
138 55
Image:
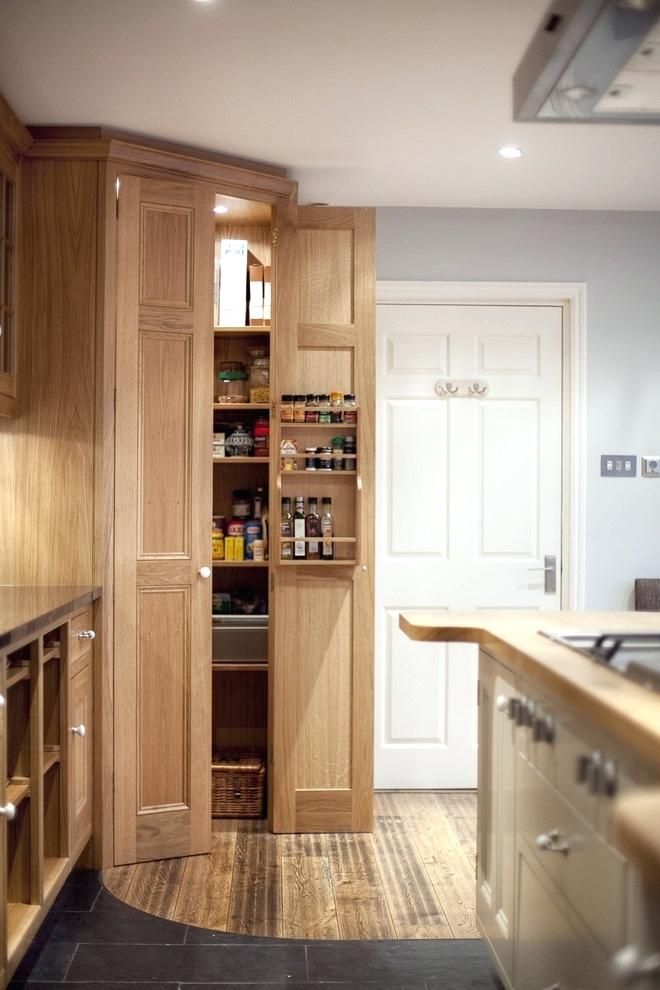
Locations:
321 682
163 509
80 758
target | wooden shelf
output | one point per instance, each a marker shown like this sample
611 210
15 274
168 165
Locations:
51 757
18 788
240 563
240 331
52 653
318 563
241 460
324 474
318 426
16 674
317 539
241 406
54 869
239 665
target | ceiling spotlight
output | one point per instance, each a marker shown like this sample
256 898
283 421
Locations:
510 151
219 208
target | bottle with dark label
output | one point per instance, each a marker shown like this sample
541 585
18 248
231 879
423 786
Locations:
313 528
299 545
327 530
286 529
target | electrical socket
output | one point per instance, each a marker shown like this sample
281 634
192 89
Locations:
651 466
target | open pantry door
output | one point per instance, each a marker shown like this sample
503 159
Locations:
163 498
321 687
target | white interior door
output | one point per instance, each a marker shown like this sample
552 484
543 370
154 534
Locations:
468 506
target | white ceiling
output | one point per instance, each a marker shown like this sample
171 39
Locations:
371 102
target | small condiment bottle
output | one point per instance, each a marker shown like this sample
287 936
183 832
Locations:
286 409
350 409
349 450
299 409
336 407
288 454
310 459
324 408
337 453
324 458
312 408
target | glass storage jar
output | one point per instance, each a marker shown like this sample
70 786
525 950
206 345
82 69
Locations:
232 382
259 375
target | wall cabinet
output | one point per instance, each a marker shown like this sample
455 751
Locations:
556 899
46 728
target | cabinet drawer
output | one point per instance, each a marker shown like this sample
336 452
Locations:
79 624
592 874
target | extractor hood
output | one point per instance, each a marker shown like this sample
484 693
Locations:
592 60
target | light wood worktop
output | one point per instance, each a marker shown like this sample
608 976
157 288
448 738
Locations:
620 707
637 832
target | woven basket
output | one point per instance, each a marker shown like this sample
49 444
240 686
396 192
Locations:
647 594
237 784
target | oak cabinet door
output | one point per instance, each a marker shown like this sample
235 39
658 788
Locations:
80 758
163 519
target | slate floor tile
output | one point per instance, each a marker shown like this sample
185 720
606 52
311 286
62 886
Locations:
45 962
188 963
112 921
454 963
204 936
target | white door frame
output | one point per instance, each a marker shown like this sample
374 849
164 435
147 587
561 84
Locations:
571 296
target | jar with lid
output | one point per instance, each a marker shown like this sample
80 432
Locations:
259 378
286 408
232 382
350 409
239 443
261 434
241 503
336 407
324 408
299 408
311 408
310 459
337 453
324 458
349 452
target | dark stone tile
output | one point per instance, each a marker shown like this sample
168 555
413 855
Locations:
205 936
112 921
77 897
188 963
45 962
46 985
79 878
457 964
298 986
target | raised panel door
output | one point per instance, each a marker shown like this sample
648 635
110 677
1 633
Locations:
80 758
163 519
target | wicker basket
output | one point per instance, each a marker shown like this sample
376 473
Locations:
647 594
237 784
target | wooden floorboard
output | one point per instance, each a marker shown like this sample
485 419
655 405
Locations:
413 877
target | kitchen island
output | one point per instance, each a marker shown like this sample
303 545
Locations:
569 771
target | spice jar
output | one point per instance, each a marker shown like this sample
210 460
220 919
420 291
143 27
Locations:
337 453
288 455
349 451
261 434
312 408
232 382
350 409
299 408
286 409
310 459
239 443
336 407
324 408
324 458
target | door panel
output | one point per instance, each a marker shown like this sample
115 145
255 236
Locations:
321 683
163 506
469 504
80 749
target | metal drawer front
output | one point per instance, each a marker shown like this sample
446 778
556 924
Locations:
240 637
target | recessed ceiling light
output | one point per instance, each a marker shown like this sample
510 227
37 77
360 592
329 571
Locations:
220 208
510 151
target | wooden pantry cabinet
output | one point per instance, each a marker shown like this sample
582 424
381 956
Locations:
144 310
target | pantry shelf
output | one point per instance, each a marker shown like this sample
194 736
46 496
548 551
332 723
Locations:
240 563
240 406
238 666
241 460
16 674
322 474
318 563
318 426
18 788
241 331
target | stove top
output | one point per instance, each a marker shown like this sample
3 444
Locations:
633 654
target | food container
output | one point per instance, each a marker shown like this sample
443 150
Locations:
239 443
232 383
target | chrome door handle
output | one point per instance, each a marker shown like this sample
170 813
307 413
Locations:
86 634
550 571
552 842
8 811
80 730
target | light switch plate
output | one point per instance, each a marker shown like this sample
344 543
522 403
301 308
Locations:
651 466
618 465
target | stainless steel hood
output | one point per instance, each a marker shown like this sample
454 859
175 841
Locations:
592 60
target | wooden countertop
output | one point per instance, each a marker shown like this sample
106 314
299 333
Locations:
24 610
614 704
637 832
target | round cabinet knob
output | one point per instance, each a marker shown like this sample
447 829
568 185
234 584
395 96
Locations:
628 966
8 811
79 730
86 634
552 842
204 572
2 701
502 703
610 778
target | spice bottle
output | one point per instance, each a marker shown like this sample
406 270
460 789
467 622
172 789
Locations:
286 530
324 408
312 408
299 545
327 530
338 454
299 408
286 409
350 409
325 458
336 407
312 529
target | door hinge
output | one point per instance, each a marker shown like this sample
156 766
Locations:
115 401
274 237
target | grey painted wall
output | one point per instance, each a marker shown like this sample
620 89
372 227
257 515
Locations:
617 255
